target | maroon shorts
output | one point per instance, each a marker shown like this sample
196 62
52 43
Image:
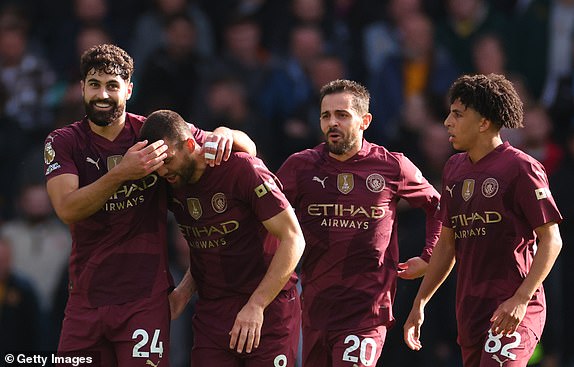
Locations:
130 334
343 348
501 351
213 320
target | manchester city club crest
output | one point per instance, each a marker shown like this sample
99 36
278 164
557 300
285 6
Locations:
489 187
375 182
345 182
219 202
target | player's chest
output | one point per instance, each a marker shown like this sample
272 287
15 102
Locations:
476 192
349 190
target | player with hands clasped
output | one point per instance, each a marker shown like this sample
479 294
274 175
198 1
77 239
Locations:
345 193
500 225
102 183
245 243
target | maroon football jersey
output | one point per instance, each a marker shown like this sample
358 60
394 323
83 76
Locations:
493 207
220 217
119 254
347 211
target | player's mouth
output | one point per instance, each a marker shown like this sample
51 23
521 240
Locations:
103 105
334 135
171 179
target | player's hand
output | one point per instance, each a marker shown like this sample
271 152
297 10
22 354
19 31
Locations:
217 146
246 331
508 316
177 303
412 328
415 267
141 159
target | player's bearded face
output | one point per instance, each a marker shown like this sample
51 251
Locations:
104 116
345 143
185 172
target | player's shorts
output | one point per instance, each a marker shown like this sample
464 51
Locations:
213 320
499 350
343 348
132 334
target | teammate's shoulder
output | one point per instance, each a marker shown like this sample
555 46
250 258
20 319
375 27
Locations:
135 120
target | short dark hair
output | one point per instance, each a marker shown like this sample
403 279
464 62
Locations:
361 96
165 124
107 58
492 96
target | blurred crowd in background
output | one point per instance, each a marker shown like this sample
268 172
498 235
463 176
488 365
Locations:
257 66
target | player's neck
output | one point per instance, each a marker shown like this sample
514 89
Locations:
483 147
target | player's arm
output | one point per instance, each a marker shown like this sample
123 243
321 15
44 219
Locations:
73 203
510 313
219 144
439 267
180 296
419 193
247 327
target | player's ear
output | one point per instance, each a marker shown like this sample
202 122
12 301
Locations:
190 144
367 118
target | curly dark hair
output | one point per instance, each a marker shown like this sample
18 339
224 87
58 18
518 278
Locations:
109 59
361 96
492 96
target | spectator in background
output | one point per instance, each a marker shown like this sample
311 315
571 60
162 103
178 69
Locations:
382 39
80 14
464 21
13 144
420 68
542 46
172 75
25 77
226 99
40 249
243 56
537 138
288 84
149 30
19 311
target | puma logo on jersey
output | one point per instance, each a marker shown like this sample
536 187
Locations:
449 189
322 182
495 357
150 363
95 163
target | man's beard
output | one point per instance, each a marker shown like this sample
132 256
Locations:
103 118
345 143
186 173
